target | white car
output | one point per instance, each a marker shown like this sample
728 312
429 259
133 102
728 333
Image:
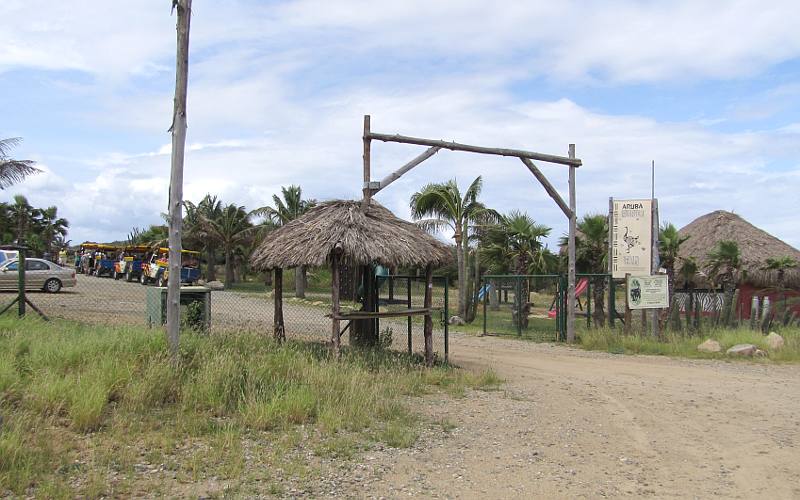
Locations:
8 255
40 274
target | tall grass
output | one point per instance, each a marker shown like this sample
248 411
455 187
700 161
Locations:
677 344
60 381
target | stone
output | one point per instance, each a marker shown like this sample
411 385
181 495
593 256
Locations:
742 350
215 285
710 345
774 341
456 320
761 354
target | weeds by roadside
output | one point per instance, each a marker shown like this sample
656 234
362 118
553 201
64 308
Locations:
93 411
680 345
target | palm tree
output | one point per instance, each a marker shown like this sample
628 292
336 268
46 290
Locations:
23 214
723 264
230 229
515 241
209 208
669 244
591 254
52 227
780 264
439 206
688 272
11 170
284 210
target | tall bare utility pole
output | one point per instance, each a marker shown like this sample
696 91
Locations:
184 8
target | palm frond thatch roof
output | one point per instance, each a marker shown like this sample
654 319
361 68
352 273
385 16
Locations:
374 236
755 246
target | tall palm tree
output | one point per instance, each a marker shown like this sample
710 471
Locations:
669 244
230 229
209 208
13 171
286 208
515 241
688 272
439 206
52 227
724 262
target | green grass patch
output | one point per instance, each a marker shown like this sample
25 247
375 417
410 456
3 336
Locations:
92 411
680 345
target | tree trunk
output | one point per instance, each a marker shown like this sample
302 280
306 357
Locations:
229 278
494 296
462 286
211 266
278 329
689 307
598 291
299 282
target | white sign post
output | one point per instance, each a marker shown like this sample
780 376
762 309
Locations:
648 292
631 238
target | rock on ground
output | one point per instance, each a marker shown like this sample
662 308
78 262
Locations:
710 345
215 285
774 341
742 350
456 320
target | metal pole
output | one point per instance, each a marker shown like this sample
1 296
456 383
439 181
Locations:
485 299
571 253
610 261
655 264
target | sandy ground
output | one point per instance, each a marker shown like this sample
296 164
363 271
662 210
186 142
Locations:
574 424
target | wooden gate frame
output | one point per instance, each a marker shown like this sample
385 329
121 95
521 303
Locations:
370 187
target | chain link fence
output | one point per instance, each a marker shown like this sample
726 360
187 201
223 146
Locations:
110 298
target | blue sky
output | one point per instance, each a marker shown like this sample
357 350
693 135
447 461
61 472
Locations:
709 90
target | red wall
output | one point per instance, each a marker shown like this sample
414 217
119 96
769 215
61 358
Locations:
746 292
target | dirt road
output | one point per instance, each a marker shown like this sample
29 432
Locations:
569 424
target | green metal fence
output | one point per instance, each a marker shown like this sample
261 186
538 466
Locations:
534 306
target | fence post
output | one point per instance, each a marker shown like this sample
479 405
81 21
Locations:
612 302
518 300
446 320
21 280
485 297
589 302
408 320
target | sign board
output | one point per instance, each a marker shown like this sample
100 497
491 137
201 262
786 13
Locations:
648 292
631 237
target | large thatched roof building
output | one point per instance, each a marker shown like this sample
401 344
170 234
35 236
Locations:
340 233
364 237
755 246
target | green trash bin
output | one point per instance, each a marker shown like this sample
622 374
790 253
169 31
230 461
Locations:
195 306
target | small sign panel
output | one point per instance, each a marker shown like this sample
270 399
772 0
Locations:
648 292
631 238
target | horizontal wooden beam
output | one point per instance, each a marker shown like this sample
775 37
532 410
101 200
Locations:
405 168
455 146
548 187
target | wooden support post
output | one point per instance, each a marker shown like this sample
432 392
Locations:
628 316
278 330
367 193
335 334
455 146
178 129
428 329
405 168
547 186
571 252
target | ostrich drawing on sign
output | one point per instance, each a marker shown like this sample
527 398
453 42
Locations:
630 240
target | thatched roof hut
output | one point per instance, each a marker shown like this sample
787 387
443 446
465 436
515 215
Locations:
755 246
364 237
342 232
